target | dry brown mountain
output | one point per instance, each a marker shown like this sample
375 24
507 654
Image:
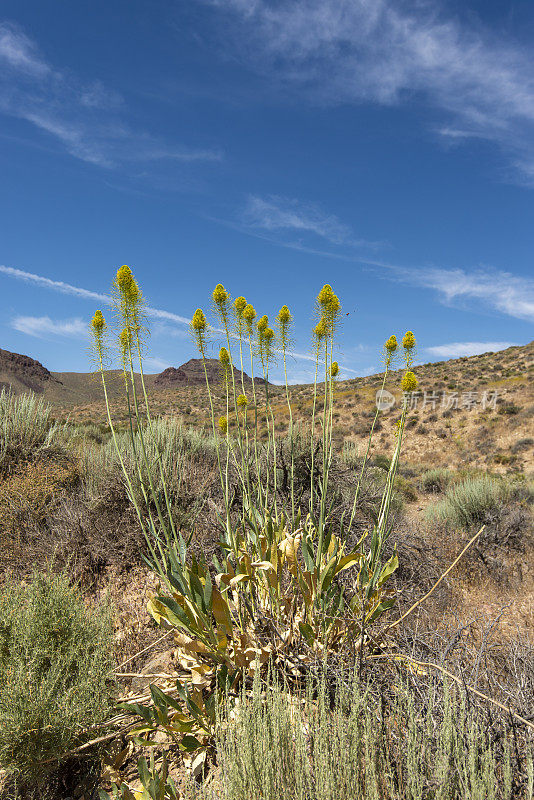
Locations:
22 374
192 374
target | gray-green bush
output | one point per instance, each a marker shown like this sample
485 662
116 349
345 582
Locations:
467 503
55 656
390 748
435 480
26 426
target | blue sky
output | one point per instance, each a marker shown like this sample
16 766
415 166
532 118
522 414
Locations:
385 147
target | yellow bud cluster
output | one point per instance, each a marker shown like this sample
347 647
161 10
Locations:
409 382
198 327
263 324
284 316
223 425
240 304
224 357
127 286
334 369
220 295
98 323
391 344
408 341
98 328
328 308
249 314
242 401
198 323
319 332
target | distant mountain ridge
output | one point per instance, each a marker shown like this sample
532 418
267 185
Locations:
20 374
192 374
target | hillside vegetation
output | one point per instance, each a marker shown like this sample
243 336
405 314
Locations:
292 594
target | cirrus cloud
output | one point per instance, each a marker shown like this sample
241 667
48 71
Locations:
45 326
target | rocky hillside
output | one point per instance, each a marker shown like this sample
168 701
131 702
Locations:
192 374
22 374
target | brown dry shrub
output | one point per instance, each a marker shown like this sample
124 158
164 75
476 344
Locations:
28 493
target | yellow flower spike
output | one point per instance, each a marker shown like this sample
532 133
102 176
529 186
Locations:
249 315
198 323
319 332
325 295
221 303
127 285
408 341
284 320
328 308
242 401
126 341
409 382
220 295
263 324
240 304
98 323
391 344
284 316
198 326
98 328
224 357
223 425
334 369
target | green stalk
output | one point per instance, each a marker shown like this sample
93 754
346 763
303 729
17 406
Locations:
162 476
291 443
313 428
364 464
260 499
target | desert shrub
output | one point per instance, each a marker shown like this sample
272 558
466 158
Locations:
522 444
382 461
55 657
26 427
510 409
468 502
435 480
405 489
297 748
170 448
28 492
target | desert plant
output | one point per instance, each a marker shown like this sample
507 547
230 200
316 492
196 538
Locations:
435 480
55 657
390 747
468 502
26 426
275 594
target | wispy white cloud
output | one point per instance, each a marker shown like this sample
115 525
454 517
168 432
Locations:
87 118
391 52
457 349
58 286
156 364
275 213
19 53
45 326
500 291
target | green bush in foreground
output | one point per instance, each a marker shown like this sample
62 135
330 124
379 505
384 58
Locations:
392 747
54 659
367 750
